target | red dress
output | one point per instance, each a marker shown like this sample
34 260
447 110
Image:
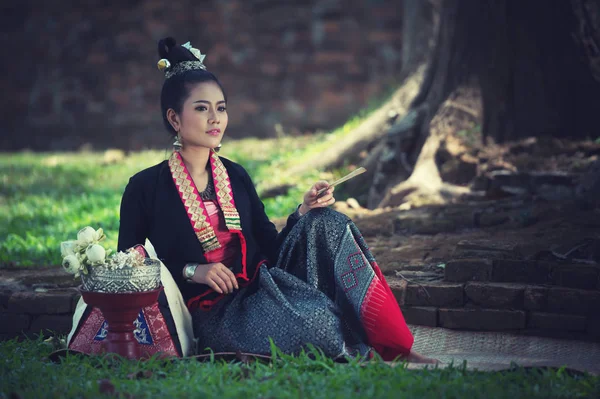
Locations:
230 242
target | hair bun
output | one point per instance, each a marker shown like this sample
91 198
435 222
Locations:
174 53
165 46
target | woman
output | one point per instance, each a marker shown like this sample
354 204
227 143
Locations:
315 282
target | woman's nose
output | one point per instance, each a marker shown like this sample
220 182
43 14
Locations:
213 118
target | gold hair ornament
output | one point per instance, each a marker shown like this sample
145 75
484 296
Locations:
163 64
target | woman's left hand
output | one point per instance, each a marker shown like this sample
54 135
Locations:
312 200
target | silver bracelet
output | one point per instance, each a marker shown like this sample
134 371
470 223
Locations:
189 270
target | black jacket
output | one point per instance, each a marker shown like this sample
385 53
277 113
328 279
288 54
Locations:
152 208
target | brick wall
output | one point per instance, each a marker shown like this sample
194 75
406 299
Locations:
85 72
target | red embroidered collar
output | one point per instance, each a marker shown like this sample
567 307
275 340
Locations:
194 205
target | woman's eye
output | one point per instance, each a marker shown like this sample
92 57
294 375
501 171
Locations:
222 109
202 108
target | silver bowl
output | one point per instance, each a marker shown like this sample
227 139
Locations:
126 279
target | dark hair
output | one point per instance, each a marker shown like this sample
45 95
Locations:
177 88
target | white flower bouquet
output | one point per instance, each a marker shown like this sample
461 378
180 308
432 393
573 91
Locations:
128 271
86 252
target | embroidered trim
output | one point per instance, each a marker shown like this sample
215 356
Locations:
194 205
224 193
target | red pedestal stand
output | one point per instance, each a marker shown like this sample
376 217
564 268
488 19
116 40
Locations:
120 311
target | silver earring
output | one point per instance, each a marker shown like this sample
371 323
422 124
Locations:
218 148
177 146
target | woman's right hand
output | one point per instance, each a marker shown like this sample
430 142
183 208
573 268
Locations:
217 276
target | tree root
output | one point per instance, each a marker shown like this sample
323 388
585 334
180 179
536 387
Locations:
370 131
425 183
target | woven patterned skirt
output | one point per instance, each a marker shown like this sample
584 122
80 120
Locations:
325 290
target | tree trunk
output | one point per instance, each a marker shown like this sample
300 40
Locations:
532 78
588 35
587 13
406 139
419 20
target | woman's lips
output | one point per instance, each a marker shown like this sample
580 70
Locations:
214 132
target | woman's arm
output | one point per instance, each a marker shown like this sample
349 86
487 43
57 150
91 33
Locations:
216 275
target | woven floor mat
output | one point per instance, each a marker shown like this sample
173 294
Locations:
497 351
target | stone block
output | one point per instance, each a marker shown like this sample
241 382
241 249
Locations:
398 288
556 334
554 321
573 301
444 294
488 249
555 193
535 298
462 270
51 302
14 323
520 271
553 179
55 323
576 276
333 57
4 298
593 327
420 315
495 295
50 278
482 319
415 223
491 219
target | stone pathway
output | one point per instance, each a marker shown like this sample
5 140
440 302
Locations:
499 351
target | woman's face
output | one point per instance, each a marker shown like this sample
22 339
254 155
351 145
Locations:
203 118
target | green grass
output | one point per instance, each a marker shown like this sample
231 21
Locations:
27 372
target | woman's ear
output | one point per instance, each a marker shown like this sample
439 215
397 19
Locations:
173 119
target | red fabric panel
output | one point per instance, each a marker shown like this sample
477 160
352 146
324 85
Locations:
230 243
382 318
84 341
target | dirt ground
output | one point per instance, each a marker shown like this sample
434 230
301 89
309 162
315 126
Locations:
522 198
422 239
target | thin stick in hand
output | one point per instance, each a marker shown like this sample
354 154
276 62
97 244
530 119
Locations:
349 176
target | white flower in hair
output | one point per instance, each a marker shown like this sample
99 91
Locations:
194 51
